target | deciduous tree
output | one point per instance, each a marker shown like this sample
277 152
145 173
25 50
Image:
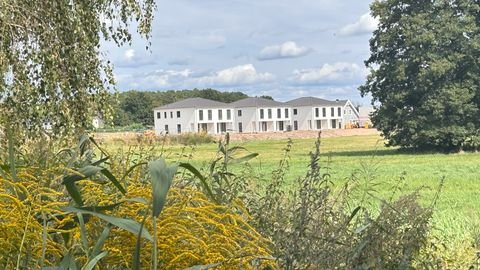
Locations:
51 64
425 73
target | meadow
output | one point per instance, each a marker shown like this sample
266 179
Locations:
376 167
341 202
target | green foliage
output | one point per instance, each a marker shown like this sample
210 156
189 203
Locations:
50 62
424 73
314 227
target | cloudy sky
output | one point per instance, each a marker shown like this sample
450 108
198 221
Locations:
282 48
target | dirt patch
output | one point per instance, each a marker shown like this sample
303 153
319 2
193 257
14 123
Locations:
129 137
302 134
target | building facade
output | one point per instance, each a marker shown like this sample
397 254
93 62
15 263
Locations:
253 114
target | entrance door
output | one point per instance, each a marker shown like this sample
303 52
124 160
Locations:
334 123
264 126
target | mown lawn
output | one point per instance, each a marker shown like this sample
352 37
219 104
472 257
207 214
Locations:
457 210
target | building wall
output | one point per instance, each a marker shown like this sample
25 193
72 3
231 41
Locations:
327 120
272 121
214 121
250 119
169 118
351 115
303 116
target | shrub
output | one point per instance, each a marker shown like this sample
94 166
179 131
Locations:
313 227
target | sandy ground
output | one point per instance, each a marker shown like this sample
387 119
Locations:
302 134
253 136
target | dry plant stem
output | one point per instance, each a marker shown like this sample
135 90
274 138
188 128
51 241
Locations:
44 240
155 255
23 238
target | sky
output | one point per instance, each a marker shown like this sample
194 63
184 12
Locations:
281 48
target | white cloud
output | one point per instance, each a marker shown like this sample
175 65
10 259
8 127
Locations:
366 24
288 49
337 73
129 54
166 78
132 60
238 75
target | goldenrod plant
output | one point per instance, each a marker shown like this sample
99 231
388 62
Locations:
96 220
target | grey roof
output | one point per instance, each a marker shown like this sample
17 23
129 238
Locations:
193 103
313 101
257 102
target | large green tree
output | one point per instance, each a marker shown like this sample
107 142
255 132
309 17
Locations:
51 64
425 73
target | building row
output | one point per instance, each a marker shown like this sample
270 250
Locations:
253 114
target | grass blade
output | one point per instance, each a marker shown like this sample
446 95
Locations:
114 180
197 173
93 262
126 224
138 246
100 242
243 159
83 232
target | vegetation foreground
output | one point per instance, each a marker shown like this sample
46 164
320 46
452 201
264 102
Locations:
456 211
337 203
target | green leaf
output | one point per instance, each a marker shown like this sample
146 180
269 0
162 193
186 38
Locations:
138 246
74 193
131 169
89 171
234 149
244 158
126 224
68 262
83 143
93 262
114 180
100 208
98 146
83 232
197 173
100 161
162 177
101 241
83 173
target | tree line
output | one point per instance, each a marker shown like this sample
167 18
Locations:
136 107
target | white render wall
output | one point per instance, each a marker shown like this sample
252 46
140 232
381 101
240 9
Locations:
303 116
250 120
272 123
169 118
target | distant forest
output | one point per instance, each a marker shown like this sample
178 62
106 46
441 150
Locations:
136 107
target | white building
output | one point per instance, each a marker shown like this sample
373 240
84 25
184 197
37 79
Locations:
311 113
253 115
261 115
193 115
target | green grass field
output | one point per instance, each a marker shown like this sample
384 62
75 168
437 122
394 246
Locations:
456 215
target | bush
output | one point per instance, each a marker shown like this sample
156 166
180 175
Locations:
313 227
99 224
